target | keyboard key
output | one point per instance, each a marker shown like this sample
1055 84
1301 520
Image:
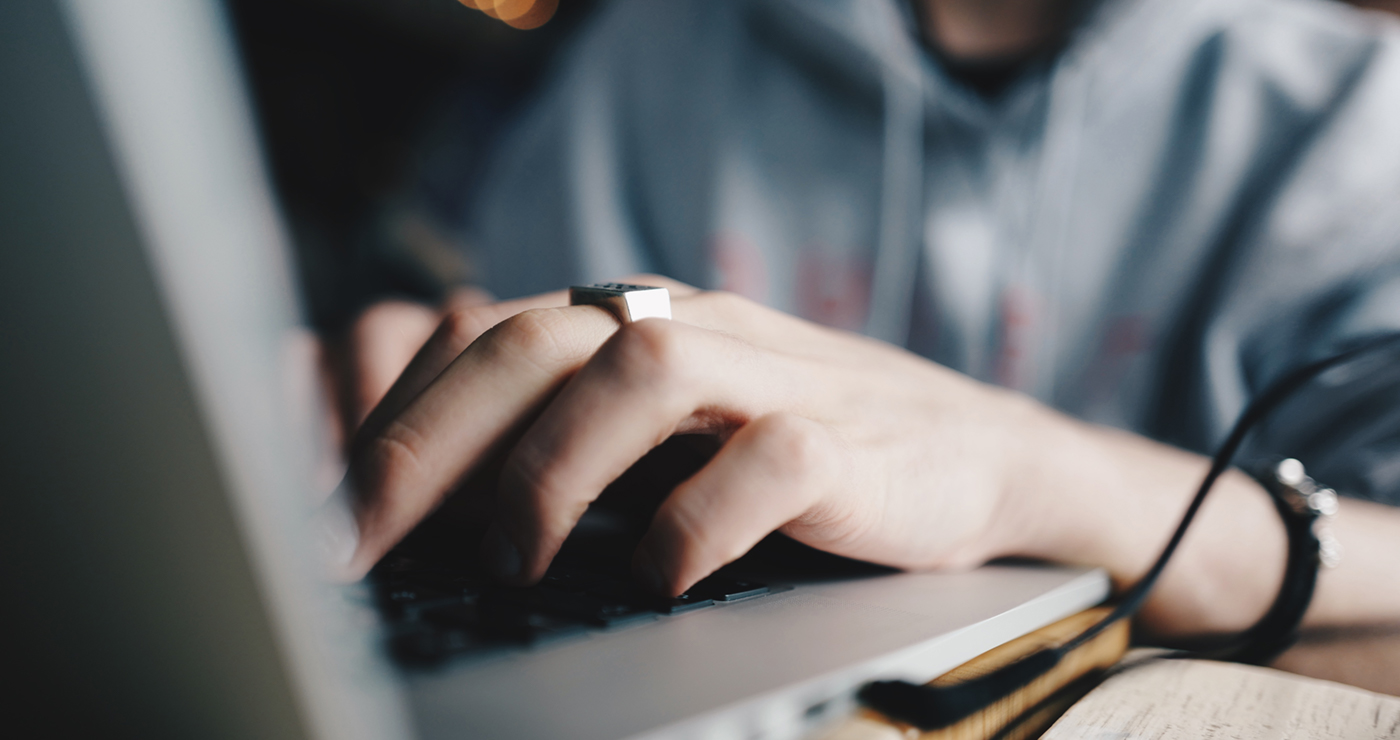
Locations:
686 602
630 593
617 615
573 580
435 612
498 621
620 591
574 605
421 644
403 593
728 589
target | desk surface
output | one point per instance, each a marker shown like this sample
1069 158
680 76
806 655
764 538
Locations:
1189 699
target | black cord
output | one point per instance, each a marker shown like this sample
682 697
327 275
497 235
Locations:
930 707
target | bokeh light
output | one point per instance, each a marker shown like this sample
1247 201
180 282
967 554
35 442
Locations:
523 14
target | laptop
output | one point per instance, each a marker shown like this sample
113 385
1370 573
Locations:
161 464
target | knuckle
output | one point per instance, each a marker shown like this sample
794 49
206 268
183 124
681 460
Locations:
530 333
386 310
724 310
390 457
381 317
523 486
535 496
374 316
795 446
723 302
693 538
838 528
652 351
460 327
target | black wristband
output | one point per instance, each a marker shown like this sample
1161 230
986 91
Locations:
1300 503
1310 543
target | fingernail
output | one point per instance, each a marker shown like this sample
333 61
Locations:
336 534
501 556
644 567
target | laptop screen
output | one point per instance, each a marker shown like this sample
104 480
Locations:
167 86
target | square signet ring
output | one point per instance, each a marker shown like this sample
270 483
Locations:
628 303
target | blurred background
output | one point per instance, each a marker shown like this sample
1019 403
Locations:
378 116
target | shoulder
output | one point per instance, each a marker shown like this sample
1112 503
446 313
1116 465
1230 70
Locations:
1303 50
1313 52
1328 75
1286 99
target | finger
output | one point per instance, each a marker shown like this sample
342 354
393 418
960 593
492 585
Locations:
382 341
676 288
651 380
459 327
773 471
467 296
381 471
735 315
406 469
331 372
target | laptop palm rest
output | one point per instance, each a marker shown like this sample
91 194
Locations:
764 667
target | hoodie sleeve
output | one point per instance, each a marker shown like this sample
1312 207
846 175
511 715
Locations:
1316 272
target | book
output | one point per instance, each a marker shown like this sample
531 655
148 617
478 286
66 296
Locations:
1163 698
1024 712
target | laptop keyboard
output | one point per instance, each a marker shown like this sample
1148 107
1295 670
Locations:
434 613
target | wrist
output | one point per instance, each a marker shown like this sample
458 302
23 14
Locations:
1058 501
1088 495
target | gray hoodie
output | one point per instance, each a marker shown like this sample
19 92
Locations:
1190 198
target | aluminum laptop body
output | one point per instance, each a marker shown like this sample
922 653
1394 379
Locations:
160 461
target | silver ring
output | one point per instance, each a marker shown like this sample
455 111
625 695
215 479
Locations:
628 303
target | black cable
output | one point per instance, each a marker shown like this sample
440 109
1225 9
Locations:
930 707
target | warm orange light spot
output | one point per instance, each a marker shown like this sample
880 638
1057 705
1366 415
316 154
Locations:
539 13
523 14
509 10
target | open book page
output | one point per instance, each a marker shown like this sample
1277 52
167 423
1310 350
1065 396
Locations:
1167 699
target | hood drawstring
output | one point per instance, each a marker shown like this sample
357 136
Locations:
895 268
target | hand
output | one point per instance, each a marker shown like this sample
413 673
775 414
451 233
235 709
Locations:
839 441
362 365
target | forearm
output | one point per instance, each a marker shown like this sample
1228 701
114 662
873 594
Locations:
1364 589
1099 496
